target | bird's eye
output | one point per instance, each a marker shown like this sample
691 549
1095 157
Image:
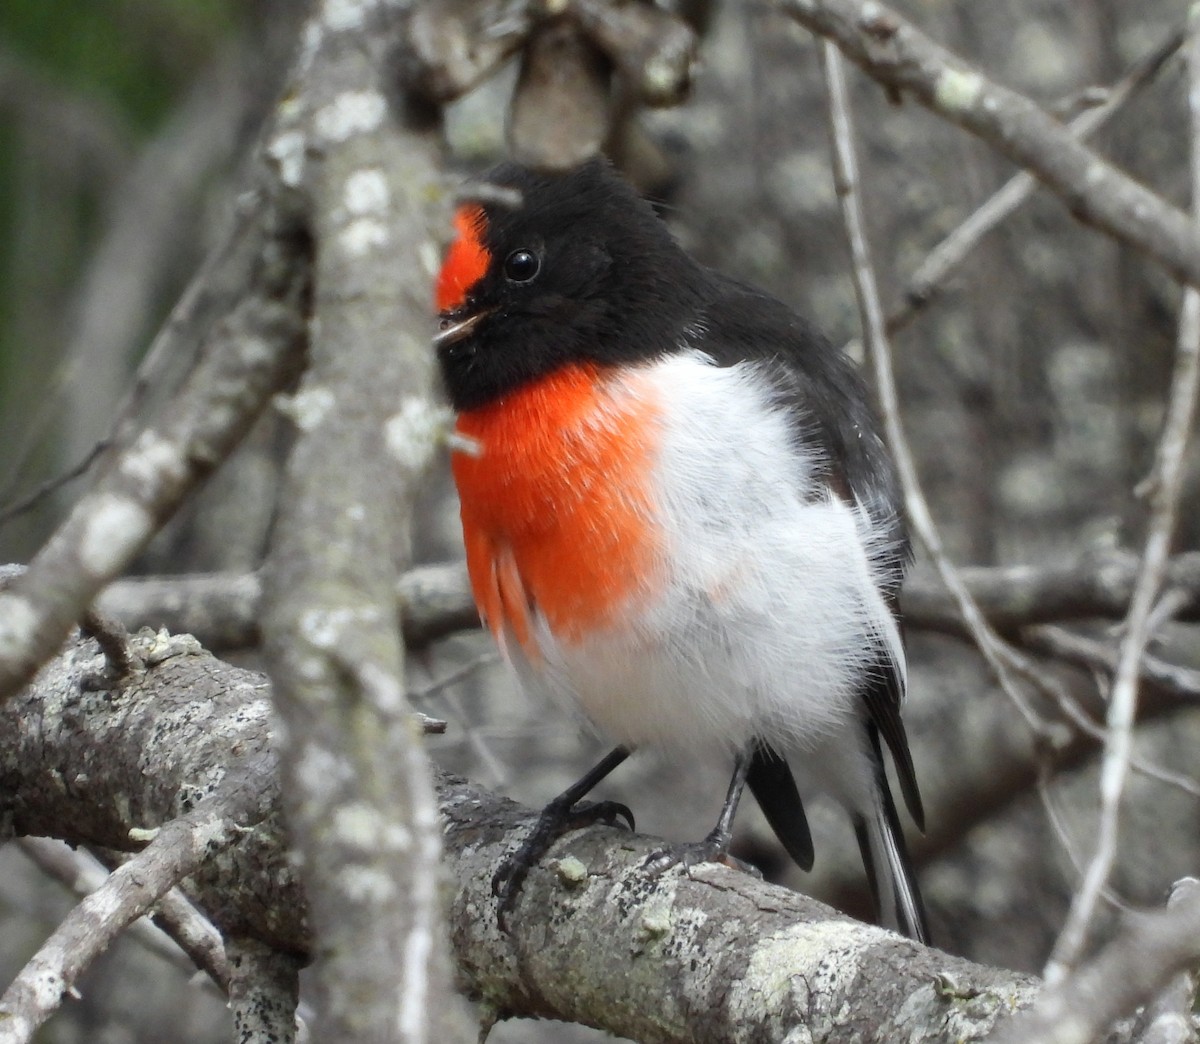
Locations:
521 266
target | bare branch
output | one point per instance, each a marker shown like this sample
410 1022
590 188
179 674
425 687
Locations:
222 610
194 934
1148 953
435 601
1089 653
196 945
718 956
177 849
1096 584
169 736
1164 506
361 803
929 276
253 353
714 957
894 52
1003 660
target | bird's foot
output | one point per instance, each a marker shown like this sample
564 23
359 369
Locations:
712 849
557 818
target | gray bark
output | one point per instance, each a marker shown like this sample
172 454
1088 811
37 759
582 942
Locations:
718 956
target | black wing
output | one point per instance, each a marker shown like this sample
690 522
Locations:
882 696
831 409
833 415
774 788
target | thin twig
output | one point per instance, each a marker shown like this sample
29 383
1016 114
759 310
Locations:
52 485
445 688
893 51
1164 504
252 353
1167 608
113 639
931 274
1147 954
1084 723
439 685
1083 651
1061 831
1004 661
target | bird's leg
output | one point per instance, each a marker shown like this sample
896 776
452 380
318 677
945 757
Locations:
561 815
714 848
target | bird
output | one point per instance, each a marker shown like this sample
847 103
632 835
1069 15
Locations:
679 517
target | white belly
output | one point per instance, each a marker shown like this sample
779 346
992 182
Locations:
771 610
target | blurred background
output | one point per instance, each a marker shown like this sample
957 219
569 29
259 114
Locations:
1033 391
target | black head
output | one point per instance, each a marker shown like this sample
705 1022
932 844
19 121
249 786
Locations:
575 268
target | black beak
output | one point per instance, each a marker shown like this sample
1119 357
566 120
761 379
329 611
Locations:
452 329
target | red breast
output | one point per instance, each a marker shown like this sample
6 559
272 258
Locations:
557 507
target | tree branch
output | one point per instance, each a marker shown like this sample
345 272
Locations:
197 943
1093 655
894 52
930 275
714 958
1094 585
361 805
264 991
251 354
176 850
1150 950
1166 490
223 610
595 939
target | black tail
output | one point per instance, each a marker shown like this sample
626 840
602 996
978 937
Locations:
774 788
890 874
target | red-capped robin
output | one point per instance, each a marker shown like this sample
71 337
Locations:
679 516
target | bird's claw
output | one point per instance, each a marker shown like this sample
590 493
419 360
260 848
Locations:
606 812
712 849
554 821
